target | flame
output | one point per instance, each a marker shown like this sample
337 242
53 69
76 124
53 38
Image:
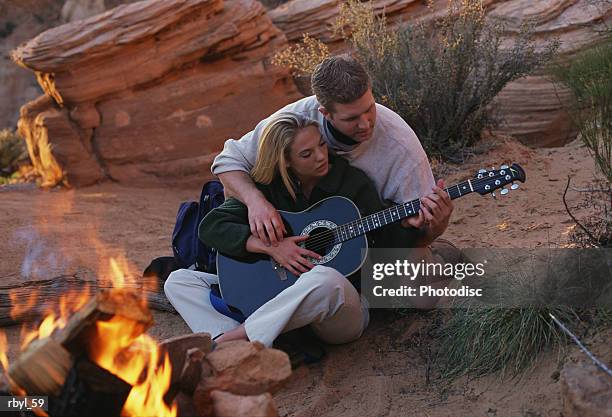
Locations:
119 345
120 350
69 303
3 350
19 306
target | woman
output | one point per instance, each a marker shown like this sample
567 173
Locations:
294 171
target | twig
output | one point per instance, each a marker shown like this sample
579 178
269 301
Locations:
572 216
596 361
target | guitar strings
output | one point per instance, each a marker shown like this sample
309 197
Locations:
328 238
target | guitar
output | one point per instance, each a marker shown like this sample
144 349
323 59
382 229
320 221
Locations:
337 233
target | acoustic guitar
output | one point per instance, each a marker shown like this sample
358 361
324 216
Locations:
336 232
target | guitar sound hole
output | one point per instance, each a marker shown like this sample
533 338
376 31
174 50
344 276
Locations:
321 244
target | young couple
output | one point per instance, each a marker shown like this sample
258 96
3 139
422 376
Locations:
286 164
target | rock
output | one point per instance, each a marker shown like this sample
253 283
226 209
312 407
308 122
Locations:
532 107
21 20
586 391
178 349
80 9
229 405
185 407
246 368
53 142
192 371
162 83
241 368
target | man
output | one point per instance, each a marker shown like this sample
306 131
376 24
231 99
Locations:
369 135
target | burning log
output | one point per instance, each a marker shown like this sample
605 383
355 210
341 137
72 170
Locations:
52 289
42 369
90 390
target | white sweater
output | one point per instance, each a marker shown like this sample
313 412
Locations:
393 158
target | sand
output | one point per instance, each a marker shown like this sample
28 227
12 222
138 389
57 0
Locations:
55 232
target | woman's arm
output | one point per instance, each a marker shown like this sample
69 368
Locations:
226 228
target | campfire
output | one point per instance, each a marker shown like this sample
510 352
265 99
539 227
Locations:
93 358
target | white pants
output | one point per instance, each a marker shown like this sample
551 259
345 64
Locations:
322 298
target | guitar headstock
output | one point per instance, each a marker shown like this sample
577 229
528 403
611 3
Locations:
488 181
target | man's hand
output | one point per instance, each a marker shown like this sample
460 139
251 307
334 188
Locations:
434 215
293 257
265 222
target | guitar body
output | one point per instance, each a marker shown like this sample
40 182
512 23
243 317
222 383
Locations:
247 284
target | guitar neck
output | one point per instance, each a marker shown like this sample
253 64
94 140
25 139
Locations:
392 214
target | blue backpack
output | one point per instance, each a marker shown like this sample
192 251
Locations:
189 250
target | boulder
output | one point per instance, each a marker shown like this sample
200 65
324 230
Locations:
533 107
157 86
21 20
586 391
226 404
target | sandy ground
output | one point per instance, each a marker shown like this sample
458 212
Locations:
50 233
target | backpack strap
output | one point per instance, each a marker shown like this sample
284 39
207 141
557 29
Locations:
219 305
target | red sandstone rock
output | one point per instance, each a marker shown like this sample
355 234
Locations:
157 86
586 390
226 404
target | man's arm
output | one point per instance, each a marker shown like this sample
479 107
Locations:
232 166
264 220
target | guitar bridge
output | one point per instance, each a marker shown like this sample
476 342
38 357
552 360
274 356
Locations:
280 271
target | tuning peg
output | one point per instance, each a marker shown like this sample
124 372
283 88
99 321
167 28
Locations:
482 171
504 191
494 196
514 186
504 166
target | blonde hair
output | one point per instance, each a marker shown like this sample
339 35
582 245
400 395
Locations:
274 147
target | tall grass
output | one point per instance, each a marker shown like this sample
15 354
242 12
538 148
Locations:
483 341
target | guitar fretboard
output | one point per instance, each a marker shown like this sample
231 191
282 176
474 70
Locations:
390 215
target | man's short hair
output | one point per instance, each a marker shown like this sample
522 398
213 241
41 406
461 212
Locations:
339 79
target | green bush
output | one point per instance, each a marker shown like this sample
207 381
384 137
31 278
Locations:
12 151
441 77
589 77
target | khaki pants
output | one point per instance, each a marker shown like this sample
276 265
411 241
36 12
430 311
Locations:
321 298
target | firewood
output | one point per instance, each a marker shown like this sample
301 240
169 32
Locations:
226 404
41 369
52 289
81 327
90 390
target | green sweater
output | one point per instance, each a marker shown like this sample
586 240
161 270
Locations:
226 228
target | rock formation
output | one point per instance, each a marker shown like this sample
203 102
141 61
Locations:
21 20
530 106
147 92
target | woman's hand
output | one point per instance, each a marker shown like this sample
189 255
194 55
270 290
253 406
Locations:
293 257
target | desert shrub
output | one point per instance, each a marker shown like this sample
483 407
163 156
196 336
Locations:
442 76
302 58
589 77
12 151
